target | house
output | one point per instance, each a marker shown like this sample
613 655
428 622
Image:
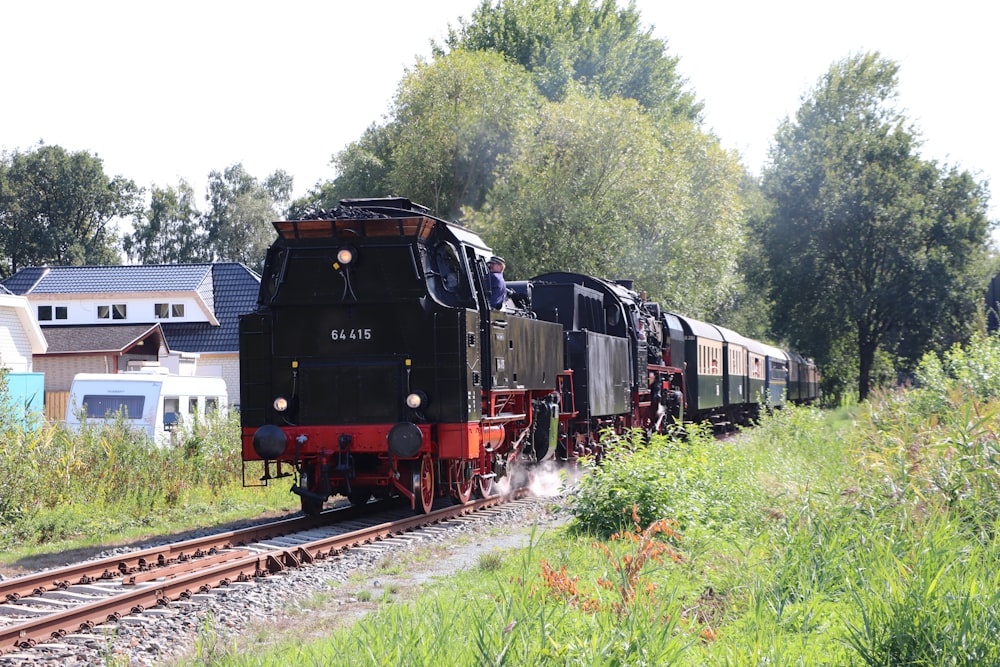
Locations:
20 339
108 319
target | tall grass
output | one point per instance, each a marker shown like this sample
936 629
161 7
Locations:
108 478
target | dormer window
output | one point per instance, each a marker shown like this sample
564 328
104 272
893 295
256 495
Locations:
167 310
112 312
49 313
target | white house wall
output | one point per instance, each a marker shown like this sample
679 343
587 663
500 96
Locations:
83 311
226 365
15 346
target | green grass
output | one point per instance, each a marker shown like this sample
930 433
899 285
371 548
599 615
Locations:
63 490
867 536
864 536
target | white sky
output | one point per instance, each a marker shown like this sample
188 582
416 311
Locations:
163 91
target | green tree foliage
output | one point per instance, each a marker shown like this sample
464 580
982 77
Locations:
453 118
241 210
58 207
561 131
450 120
236 227
746 306
567 197
594 186
363 170
171 231
865 241
566 44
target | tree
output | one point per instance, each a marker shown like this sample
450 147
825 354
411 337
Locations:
593 44
594 186
57 207
453 118
865 241
363 170
241 210
171 232
450 120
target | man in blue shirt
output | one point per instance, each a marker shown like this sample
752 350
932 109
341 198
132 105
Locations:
498 286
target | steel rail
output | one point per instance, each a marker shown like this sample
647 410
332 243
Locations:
137 598
152 558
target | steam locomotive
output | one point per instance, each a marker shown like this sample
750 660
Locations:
375 366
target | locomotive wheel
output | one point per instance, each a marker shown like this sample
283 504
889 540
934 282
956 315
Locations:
462 489
485 487
423 486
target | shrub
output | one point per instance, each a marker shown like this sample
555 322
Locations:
693 481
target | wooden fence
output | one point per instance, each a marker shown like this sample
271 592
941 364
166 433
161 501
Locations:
55 405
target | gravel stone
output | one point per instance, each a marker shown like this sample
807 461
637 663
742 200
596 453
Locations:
169 636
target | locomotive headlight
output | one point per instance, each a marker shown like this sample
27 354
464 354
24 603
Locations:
280 404
416 400
346 255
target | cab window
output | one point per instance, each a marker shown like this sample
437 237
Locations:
446 274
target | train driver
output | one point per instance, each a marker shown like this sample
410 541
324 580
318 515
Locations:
498 286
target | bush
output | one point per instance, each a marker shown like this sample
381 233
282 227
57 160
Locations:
693 481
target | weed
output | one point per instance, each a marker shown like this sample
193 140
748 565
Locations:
490 562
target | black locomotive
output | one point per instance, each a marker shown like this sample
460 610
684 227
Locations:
374 364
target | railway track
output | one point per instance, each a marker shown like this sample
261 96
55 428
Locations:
51 606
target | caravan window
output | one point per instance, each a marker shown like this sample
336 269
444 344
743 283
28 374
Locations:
100 406
192 405
211 404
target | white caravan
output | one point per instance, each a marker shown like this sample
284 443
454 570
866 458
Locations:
150 400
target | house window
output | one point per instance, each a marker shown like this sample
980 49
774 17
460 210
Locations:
167 310
45 313
113 312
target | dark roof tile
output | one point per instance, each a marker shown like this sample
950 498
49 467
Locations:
235 289
125 278
102 338
24 280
